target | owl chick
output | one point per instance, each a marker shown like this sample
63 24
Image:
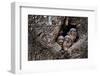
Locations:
67 42
60 40
73 34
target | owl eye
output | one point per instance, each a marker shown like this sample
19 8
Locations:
68 41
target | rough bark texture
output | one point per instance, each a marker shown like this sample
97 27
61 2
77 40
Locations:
43 32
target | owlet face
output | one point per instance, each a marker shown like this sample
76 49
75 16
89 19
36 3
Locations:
67 42
73 34
73 31
60 40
